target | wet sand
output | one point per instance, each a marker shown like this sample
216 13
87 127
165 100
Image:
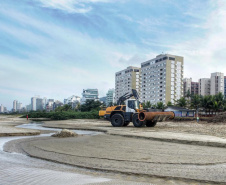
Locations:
131 156
8 127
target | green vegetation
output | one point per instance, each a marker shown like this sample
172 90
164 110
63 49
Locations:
208 103
64 115
89 110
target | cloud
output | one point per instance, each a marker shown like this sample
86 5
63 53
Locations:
63 61
71 6
206 54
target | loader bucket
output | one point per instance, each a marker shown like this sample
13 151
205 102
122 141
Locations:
155 116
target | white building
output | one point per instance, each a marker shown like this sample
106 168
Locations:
33 103
89 94
36 103
126 80
15 105
73 101
187 85
2 108
110 97
49 105
204 86
19 106
44 102
217 83
212 85
161 79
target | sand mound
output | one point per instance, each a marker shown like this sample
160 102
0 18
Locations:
220 118
65 133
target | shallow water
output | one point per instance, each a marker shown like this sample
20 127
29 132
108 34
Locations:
38 126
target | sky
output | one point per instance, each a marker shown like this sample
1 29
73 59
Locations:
57 48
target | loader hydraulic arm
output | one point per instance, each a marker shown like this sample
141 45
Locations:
127 96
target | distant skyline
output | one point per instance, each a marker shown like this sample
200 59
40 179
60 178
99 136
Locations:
57 48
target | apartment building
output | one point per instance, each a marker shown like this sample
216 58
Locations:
89 94
187 85
192 87
161 79
2 108
110 97
15 105
36 103
73 101
224 86
217 83
49 105
213 85
126 80
204 86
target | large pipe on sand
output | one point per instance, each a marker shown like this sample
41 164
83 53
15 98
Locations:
155 116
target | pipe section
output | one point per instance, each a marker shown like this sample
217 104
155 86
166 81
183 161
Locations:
156 116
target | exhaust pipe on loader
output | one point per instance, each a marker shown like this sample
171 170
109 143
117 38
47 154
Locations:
155 116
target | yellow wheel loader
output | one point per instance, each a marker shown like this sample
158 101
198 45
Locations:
121 115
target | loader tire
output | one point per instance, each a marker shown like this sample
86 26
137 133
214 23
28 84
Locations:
117 120
150 123
126 123
137 122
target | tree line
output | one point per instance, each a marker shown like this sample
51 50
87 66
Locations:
208 103
89 105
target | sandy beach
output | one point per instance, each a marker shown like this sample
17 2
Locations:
133 152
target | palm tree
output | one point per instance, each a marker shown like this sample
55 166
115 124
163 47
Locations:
160 105
182 102
188 94
195 102
148 104
169 103
219 99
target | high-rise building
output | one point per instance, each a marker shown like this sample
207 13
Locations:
204 86
110 96
187 85
126 80
192 87
2 108
161 79
217 83
89 94
224 86
33 103
36 103
18 106
15 105
44 102
39 104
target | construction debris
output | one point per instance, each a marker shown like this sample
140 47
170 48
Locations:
220 118
65 133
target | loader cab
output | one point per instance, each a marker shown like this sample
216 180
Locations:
132 105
